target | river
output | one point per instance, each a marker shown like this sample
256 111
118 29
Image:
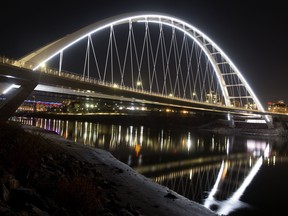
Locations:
231 175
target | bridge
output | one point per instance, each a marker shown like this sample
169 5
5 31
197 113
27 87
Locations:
149 58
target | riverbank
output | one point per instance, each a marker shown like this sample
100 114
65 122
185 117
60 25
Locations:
197 121
67 178
273 132
245 129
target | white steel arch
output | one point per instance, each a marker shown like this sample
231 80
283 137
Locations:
215 55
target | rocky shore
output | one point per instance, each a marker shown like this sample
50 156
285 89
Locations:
42 173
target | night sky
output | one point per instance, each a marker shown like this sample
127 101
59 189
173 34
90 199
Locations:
253 35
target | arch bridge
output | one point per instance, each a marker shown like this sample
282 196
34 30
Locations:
148 57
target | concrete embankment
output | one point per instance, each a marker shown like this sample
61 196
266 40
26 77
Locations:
251 129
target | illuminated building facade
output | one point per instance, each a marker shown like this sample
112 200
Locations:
278 107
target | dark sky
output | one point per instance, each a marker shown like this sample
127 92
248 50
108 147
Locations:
253 35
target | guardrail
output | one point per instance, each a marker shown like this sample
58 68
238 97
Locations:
75 76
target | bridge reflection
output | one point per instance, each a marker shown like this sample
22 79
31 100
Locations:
217 183
215 171
224 207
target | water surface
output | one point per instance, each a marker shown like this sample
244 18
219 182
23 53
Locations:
232 175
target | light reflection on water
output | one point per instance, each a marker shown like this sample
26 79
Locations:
214 170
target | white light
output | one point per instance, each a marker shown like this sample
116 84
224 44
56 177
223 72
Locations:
234 201
267 118
189 142
266 151
213 191
10 87
178 24
256 121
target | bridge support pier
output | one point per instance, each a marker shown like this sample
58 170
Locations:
250 121
26 79
231 120
269 121
14 100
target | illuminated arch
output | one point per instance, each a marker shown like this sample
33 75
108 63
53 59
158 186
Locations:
215 55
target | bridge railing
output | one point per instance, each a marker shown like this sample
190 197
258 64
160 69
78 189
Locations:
69 75
75 76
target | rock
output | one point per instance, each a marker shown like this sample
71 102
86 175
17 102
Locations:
170 196
5 194
23 196
13 183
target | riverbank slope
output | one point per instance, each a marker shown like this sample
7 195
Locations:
100 183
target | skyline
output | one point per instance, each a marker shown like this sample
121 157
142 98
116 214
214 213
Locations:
253 36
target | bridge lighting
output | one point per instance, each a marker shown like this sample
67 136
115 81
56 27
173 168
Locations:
115 85
43 67
267 118
201 39
228 117
194 96
138 84
10 87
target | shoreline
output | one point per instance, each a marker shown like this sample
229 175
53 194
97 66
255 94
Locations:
132 188
198 122
127 189
273 132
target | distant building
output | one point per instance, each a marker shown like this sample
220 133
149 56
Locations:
279 107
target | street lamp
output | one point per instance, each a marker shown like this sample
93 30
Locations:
43 67
139 85
194 96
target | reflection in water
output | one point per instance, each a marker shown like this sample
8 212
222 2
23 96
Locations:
233 202
224 181
210 169
136 143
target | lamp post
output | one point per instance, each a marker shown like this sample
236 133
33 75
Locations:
194 96
139 85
